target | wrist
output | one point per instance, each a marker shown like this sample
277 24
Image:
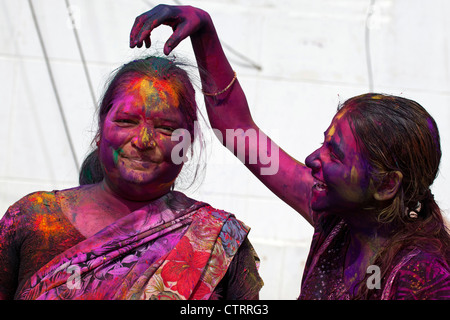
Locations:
207 31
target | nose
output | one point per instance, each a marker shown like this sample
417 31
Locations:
313 160
144 139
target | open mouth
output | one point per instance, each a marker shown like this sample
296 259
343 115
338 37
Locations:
319 185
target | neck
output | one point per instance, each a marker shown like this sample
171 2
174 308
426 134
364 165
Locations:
367 238
367 234
106 194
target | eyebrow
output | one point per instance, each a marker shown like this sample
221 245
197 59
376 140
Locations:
168 120
124 113
160 116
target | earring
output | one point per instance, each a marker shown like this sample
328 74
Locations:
414 214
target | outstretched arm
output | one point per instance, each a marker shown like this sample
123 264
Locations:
228 112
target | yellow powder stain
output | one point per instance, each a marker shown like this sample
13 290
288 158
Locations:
41 198
146 89
331 132
378 97
341 113
145 137
38 200
353 175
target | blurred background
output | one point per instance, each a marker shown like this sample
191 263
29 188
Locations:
296 60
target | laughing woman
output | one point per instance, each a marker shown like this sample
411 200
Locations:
124 233
379 234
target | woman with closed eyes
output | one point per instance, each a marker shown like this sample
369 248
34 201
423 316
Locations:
125 233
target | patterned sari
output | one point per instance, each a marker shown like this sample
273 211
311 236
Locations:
174 248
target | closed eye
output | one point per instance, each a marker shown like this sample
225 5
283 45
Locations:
168 130
125 122
333 156
331 151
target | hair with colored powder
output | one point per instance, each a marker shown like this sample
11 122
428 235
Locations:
157 68
398 134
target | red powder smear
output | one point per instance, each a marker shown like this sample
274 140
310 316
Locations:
48 225
164 88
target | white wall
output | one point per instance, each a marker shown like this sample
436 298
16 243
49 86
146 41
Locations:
312 56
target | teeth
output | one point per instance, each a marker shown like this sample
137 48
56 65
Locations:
320 186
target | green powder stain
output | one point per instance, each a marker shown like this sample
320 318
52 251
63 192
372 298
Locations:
116 153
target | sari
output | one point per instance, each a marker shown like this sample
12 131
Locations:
173 248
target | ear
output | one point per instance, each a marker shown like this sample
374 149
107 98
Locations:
388 187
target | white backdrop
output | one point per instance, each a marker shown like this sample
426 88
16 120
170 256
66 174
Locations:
296 59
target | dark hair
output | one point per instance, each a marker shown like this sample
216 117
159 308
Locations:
398 134
152 67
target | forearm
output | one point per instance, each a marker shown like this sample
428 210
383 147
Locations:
228 110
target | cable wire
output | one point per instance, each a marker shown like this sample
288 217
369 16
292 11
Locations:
248 62
53 83
367 45
80 50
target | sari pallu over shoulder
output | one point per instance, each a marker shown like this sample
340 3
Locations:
174 248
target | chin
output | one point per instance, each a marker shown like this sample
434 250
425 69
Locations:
138 176
318 204
145 180
137 180
319 208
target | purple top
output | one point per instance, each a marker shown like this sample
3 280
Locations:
414 275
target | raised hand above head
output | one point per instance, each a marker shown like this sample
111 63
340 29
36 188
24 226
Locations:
225 100
184 21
